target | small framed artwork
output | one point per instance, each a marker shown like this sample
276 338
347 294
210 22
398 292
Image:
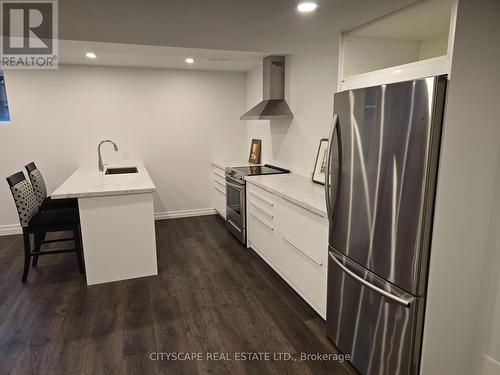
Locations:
320 164
255 149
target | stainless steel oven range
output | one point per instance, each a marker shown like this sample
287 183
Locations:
236 195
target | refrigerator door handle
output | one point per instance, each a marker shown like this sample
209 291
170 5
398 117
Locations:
376 289
328 162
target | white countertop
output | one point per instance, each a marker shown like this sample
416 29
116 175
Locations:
295 188
87 181
223 164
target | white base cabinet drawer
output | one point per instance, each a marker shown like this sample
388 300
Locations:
307 275
260 222
304 228
260 232
261 198
219 172
292 240
220 201
219 191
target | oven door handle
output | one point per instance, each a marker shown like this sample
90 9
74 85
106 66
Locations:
233 185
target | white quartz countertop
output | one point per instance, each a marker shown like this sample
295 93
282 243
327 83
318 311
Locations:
87 181
223 164
295 188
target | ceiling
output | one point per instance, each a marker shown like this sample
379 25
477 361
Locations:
133 55
427 20
264 26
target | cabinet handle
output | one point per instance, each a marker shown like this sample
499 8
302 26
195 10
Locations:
220 190
220 174
301 207
220 183
262 221
261 209
290 242
266 201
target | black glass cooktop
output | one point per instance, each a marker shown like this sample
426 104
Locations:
256 170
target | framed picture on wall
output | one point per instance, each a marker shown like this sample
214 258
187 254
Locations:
255 149
320 164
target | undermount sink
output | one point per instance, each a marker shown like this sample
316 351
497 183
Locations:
124 170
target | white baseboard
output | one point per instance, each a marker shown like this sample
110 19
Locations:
8 229
490 366
184 213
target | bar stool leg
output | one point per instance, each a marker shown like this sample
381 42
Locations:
27 254
39 237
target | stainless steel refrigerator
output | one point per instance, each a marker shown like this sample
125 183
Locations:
381 182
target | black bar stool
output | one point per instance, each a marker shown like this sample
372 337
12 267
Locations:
38 222
45 202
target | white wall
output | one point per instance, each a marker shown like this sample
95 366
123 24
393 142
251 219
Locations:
176 121
462 303
310 83
487 341
383 53
433 47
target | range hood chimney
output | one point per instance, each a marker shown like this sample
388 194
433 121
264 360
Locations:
274 105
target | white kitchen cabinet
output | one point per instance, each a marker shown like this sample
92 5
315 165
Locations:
260 222
262 198
292 240
219 190
306 229
412 43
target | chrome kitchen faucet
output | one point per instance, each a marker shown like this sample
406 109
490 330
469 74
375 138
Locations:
99 156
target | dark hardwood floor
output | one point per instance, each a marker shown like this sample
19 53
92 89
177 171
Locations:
211 296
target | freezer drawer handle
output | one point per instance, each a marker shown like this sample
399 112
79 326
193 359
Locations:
376 289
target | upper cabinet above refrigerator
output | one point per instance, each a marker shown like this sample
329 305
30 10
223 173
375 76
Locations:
412 43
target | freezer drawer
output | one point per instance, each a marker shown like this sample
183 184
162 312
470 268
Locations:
374 322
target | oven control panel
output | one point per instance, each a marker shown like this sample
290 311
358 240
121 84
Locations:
234 175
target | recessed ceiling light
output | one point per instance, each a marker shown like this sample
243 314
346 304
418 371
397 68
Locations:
217 59
307 7
91 55
190 60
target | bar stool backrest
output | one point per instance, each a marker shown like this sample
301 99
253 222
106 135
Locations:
37 182
24 196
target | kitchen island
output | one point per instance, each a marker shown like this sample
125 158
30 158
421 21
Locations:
117 221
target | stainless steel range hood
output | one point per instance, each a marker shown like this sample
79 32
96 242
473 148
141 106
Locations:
274 105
